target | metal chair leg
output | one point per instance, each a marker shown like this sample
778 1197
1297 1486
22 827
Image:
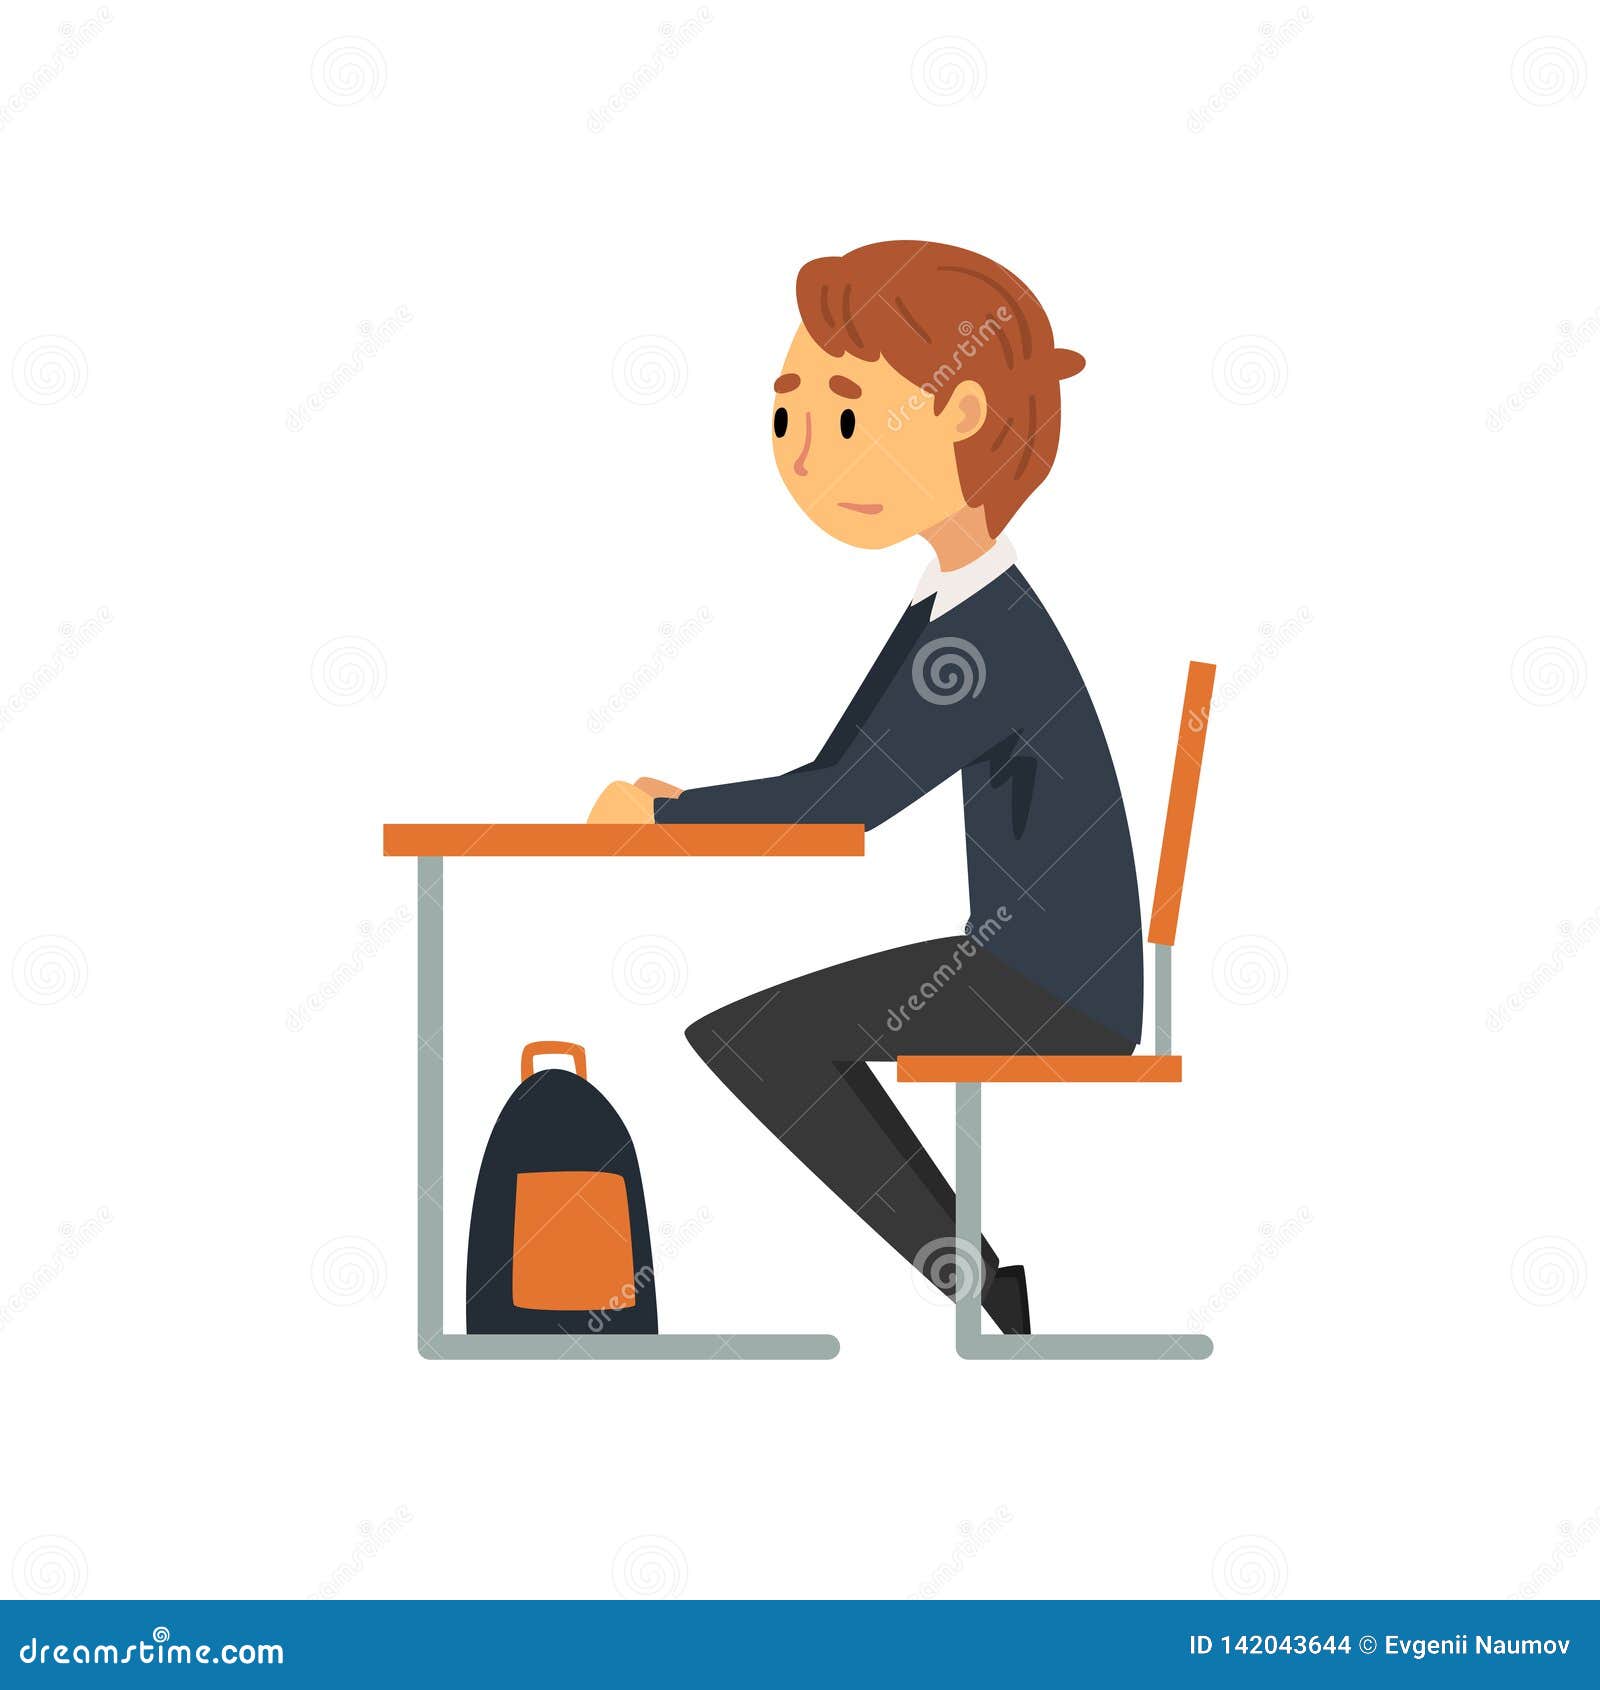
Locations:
972 1343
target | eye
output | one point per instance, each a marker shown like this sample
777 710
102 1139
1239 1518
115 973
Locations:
847 423
780 422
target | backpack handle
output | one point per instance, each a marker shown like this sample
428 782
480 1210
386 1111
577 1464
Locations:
554 1047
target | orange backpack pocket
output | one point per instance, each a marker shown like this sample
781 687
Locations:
572 1244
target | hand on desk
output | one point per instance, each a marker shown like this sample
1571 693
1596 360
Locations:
624 802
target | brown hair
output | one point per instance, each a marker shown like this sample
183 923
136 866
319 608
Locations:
941 315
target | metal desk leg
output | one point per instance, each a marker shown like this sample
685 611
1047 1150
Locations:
430 1104
432 1340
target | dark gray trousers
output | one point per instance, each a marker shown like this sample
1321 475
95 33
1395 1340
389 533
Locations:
796 1056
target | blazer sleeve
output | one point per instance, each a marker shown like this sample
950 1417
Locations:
940 711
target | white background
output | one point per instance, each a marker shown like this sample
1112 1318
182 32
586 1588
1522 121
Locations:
1300 305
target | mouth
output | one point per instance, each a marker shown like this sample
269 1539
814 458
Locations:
863 510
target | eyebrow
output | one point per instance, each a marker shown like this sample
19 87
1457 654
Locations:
844 387
786 383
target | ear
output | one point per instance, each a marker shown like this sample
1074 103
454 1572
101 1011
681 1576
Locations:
968 410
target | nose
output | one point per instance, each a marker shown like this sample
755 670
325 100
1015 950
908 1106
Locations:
805 447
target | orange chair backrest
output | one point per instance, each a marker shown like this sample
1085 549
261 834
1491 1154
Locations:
1180 803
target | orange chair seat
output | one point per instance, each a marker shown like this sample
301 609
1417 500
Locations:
986 1070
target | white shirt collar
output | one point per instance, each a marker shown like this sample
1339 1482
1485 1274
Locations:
950 587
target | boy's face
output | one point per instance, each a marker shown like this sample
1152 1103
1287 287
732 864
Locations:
859 446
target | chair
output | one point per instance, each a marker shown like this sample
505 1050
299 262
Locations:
1162 1067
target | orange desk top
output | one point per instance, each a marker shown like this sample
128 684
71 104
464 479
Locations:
580 839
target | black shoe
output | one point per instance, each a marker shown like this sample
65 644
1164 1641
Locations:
1006 1302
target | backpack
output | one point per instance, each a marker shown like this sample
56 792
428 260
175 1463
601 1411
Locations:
560 1241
